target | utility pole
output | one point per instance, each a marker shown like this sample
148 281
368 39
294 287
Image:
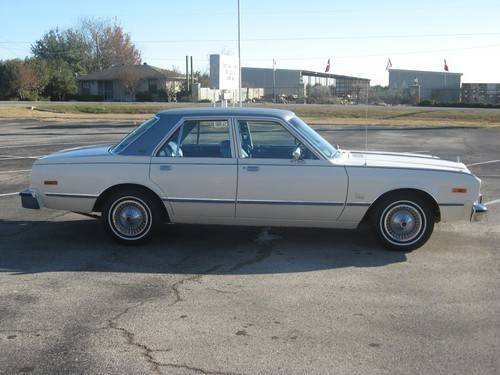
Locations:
274 81
192 78
239 55
187 73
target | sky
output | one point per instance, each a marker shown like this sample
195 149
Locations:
358 36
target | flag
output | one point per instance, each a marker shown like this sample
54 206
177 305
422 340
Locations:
327 69
389 64
445 66
274 64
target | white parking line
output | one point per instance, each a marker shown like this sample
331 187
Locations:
16 171
484 162
8 194
55 144
10 157
496 201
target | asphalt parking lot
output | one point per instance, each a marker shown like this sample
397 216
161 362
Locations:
219 300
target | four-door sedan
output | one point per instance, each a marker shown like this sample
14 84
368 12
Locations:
249 166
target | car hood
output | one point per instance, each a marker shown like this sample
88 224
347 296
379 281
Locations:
72 154
401 160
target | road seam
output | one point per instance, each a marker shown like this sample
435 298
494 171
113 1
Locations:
147 352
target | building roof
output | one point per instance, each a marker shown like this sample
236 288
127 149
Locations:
227 111
422 71
143 71
313 73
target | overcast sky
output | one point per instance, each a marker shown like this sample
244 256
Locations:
358 36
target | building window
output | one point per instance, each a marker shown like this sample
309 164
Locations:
85 88
105 89
153 86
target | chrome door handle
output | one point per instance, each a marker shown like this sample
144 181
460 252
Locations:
165 167
251 168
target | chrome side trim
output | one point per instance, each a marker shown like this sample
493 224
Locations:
198 200
272 202
298 203
451 204
65 195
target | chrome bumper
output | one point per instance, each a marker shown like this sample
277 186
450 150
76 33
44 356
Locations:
479 210
28 199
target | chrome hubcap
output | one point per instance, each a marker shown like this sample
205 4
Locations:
403 223
130 218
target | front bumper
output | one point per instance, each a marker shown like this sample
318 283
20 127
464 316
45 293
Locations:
29 200
479 210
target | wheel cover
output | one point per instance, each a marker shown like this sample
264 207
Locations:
130 218
403 223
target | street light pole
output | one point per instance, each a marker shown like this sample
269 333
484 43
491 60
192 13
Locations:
239 56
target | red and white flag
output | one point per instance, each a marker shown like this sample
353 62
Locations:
327 69
446 66
274 64
389 64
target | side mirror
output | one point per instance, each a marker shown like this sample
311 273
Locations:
297 154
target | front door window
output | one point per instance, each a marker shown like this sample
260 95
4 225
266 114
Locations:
269 140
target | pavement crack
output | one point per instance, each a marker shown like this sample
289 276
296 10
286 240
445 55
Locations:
197 369
265 241
176 286
146 352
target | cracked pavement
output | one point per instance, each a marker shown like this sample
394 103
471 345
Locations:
221 300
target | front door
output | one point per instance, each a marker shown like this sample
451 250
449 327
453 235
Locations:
196 170
274 186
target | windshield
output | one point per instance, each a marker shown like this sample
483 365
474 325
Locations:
136 133
312 136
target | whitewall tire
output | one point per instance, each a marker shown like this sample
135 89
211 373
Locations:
130 217
403 222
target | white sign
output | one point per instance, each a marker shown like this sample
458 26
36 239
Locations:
224 72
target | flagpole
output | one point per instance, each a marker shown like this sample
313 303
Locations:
239 56
274 81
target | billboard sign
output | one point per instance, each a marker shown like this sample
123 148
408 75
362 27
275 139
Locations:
224 72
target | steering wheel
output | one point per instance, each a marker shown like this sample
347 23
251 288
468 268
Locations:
171 149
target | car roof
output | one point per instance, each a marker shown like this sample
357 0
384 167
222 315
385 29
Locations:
227 111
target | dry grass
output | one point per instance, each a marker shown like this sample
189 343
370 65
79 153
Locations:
317 114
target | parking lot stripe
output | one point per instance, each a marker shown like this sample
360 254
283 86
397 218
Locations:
483 162
16 171
54 144
8 194
496 201
14 157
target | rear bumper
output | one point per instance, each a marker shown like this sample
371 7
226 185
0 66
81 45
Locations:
479 210
29 199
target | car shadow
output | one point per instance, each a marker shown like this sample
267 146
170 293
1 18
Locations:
81 245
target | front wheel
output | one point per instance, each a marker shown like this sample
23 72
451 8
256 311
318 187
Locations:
130 217
403 223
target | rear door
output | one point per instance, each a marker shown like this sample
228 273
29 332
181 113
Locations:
272 185
196 170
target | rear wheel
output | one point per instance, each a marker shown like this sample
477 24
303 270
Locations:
131 217
403 222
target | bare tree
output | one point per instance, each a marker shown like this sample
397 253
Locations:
108 45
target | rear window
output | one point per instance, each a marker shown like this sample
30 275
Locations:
135 134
